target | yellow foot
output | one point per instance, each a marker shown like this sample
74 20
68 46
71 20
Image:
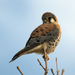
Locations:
46 57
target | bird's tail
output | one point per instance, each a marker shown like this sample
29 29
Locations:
21 52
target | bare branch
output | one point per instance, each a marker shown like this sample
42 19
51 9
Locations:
19 70
57 67
45 59
40 64
62 71
52 71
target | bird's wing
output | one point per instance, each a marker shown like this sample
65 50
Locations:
43 33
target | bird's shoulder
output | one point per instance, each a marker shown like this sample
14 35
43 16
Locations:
42 30
41 34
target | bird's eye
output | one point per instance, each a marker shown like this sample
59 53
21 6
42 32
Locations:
49 18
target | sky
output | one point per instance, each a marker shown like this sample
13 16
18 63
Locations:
18 18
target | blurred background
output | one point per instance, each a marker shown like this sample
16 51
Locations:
18 18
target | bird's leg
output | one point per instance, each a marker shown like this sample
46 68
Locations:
46 56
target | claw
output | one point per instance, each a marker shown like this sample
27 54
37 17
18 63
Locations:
46 56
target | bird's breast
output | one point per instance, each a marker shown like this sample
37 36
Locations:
51 45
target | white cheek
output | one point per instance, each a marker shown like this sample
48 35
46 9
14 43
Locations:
52 20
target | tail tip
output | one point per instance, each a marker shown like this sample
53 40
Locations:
15 57
10 61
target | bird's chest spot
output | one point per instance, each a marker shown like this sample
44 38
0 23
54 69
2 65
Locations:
52 45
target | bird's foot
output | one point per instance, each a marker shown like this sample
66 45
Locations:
46 57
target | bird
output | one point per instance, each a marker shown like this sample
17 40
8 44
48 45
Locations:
45 37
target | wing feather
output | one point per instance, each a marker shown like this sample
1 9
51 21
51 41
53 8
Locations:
43 33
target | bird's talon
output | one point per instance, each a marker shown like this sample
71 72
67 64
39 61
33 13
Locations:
46 57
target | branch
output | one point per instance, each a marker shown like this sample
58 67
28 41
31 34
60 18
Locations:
52 71
62 71
40 64
45 59
57 67
19 70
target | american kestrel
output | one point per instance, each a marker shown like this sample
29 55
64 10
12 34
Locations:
45 36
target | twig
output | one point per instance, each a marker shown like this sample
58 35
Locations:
57 67
45 59
62 71
52 71
19 70
40 64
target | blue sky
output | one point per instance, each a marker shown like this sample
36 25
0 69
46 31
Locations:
18 18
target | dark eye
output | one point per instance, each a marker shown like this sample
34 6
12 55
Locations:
49 19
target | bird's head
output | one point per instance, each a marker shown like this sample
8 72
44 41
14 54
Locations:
48 17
